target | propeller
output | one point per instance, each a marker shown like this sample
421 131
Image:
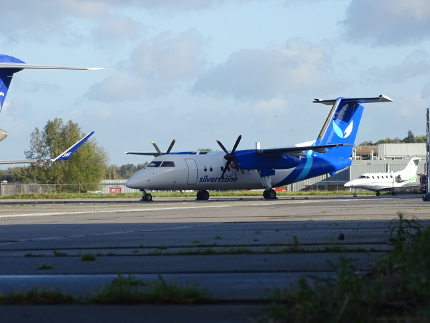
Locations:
229 156
168 150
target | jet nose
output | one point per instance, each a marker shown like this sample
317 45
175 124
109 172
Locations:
349 184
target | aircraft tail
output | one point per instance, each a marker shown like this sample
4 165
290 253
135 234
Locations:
410 169
6 75
341 125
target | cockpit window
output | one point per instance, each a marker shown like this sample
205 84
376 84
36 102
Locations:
154 164
168 164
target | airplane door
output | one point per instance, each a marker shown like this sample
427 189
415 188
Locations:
192 171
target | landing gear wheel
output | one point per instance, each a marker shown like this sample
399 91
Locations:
378 193
393 194
146 197
203 195
270 194
354 195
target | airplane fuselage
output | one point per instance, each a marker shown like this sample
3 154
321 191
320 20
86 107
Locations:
204 171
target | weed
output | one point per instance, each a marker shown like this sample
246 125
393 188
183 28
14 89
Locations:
395 289
195 241
45 266
33 255
162 247
128 290
276 230
110 254
88 257
217 238
35 296
59 254
257 231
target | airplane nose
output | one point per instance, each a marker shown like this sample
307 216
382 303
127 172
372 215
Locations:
349 184
134 182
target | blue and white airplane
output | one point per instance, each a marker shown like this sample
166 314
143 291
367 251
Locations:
10 65
257 168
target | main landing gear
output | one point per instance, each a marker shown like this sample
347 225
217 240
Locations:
146 197
269 194
202 195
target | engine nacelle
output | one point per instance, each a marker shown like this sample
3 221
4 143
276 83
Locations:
3 134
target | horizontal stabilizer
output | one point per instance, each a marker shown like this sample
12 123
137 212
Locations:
381 98
298 150
46 67
63 156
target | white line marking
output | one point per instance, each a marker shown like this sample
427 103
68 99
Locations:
148 209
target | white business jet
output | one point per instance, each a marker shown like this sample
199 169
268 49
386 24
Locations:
257 168
10 65
387 181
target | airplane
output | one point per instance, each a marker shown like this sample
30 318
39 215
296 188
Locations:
387 181
63 156
257 168
10 65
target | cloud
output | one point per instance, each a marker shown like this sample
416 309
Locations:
154 67
417 63
263 74
387 22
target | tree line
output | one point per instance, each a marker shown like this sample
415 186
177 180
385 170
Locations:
410 138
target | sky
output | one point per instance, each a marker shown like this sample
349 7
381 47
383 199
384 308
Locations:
204 70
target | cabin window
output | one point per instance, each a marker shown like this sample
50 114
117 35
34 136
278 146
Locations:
373 177
154 164
168 164
377 176
205 169
211 169
391 176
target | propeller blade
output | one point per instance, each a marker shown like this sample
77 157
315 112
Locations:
237 143
222 146
227 164
171 146
156 148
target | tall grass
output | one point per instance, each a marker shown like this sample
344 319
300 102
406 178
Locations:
397 289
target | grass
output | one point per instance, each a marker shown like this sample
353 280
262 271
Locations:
88 257
396 289
122 290
59 254
44 266
54 195
30 254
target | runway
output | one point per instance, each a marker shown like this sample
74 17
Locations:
237 248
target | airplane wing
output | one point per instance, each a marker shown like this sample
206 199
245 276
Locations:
63 156
49 67
298 151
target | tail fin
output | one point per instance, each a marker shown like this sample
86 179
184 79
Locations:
411 168
6 75
69 152
341 125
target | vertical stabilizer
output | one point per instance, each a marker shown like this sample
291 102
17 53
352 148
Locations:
341 125
6 75
410 169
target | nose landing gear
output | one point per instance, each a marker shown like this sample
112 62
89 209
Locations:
146 197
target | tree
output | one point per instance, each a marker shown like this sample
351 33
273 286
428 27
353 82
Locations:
87 165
